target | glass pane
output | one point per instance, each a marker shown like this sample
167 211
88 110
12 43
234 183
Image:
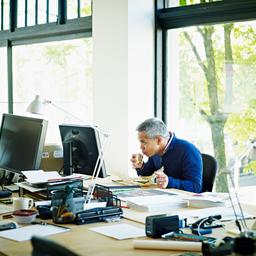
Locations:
21 14
57 71
3 81
72 7
53 10
6 14
175 3
212 100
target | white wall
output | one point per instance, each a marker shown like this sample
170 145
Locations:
123 56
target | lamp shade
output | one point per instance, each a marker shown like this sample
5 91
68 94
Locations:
36 106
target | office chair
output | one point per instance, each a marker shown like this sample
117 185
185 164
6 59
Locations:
209 172
46 247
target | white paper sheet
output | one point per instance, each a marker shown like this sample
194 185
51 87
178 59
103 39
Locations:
25 233
39 176
227 213
120 231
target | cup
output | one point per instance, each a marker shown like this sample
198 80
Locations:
139 158
63 206
22 203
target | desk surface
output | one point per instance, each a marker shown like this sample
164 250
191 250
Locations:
86 242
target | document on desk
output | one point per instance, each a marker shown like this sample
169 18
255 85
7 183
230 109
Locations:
227 213
155 203
208 199
120 231
25 233
40 176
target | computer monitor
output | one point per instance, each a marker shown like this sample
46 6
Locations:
21 142
81 148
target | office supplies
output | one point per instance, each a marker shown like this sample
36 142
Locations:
25 233
207 223
97 214
155 203
6 201
187 237
12 188
5 193
201 231
157 225
7 226
41 178
104 194
63 206
120 231
46 192
167 245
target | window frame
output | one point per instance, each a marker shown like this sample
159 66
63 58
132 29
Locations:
39 33
192 15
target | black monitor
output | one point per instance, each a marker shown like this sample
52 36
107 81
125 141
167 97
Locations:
21 142
81 148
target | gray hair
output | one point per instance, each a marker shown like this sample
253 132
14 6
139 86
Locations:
153 127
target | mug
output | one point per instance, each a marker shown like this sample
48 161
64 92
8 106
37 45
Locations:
22 203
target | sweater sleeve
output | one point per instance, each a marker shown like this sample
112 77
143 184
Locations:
191 173
147 169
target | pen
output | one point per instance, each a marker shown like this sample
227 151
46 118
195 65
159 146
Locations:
50 224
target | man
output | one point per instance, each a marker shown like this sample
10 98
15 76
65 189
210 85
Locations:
176 163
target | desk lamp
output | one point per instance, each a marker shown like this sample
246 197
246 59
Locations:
38 107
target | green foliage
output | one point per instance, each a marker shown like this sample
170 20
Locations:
242 126
58 54
251 167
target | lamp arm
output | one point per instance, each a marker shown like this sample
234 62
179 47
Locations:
96 171
63 110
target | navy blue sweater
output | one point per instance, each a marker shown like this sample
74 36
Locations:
182 164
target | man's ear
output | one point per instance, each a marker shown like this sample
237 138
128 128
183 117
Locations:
159 139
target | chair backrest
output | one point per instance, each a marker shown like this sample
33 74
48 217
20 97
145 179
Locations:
209 172
46 247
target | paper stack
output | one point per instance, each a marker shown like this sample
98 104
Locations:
205 200
155 203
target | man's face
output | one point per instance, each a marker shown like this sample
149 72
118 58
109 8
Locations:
149 147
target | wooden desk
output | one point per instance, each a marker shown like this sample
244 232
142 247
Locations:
86 242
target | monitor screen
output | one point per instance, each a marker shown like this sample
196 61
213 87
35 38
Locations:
21 142
81 148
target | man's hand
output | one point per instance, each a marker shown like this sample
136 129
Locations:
137 161
161 179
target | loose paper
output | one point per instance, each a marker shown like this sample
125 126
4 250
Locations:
120 231
25 233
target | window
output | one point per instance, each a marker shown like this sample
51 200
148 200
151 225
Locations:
210 97
3 81
175 3
57 71
49 55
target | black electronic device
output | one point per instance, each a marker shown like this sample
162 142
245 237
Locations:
157 225
97 214
212 249
5 193
201 231
21 142
207 223
7 226
81 149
